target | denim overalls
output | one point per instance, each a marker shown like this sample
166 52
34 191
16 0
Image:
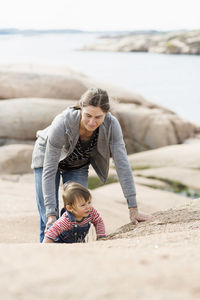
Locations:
76 234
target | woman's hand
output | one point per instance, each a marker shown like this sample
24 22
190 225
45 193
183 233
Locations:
50 221
136 217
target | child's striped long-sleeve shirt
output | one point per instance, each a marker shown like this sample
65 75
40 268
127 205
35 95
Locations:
68 227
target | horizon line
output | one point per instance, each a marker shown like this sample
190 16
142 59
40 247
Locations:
8 29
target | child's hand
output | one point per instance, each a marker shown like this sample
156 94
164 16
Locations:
47 240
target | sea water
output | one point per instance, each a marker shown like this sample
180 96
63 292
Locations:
172 81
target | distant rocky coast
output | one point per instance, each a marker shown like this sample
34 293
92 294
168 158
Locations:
184 42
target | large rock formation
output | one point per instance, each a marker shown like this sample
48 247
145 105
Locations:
149 254
182 156
15 159
21 118
19 81
149 128
143 127
144 124
177 165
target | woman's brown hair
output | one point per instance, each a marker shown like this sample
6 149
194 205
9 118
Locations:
95 97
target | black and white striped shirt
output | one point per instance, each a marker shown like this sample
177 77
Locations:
81 154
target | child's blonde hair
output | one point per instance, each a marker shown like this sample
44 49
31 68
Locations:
72 191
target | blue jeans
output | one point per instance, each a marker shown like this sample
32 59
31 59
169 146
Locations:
78 175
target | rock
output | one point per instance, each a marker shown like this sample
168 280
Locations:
194 140
178 164
122 44
145 125
183 156
165 262
186 176
183 42
157 184
19 204
21 118
149 200
163 222
171 240
15 159
18 210
19 81
8 141
145 128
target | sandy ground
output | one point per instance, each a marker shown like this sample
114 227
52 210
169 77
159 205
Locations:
159 259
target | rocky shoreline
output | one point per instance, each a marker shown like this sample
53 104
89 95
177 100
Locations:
33 95
184 42
149 254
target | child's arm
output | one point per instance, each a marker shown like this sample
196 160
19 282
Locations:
98 223
62 224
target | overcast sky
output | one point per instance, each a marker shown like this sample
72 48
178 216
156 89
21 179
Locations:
100 14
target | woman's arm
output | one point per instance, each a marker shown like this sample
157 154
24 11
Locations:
124 172
56 140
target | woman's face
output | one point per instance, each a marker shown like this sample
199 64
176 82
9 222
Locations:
92 117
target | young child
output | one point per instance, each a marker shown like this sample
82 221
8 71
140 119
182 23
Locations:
74 224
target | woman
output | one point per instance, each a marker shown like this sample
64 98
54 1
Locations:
81 135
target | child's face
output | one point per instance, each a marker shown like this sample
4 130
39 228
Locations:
81 208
